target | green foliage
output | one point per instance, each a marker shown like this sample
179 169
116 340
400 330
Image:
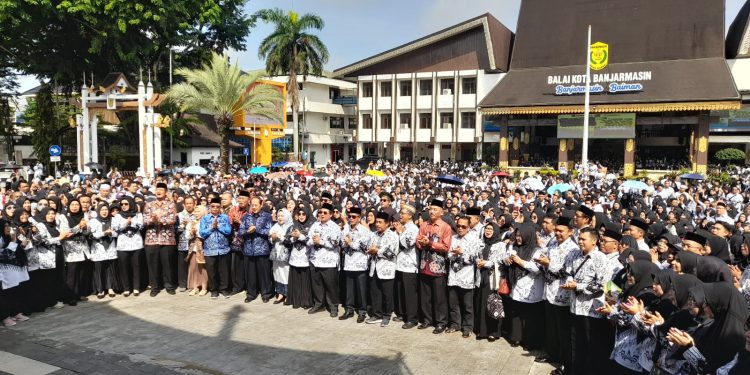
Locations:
47 116
63 39
728 155
719 177
221 89
547 171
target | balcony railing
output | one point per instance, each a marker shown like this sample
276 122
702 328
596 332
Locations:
345 100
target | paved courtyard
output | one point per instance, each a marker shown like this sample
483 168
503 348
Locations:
197 335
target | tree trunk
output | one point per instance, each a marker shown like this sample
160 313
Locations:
293 91
223 125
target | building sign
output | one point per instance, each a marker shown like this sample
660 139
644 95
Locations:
606 125
599 56
611 83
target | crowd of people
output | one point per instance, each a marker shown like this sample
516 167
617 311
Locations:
586 274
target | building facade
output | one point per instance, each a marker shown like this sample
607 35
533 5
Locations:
419 100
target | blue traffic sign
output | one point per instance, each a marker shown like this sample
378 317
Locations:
55 150
245 151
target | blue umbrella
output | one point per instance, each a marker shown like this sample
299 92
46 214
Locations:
451 180
259 170
692 176
279 164
558 188
635 184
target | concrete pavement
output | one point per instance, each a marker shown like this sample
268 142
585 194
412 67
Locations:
197 335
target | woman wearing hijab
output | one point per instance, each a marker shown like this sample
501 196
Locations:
714 345
8 213
719 248
280 253
485 326
127 227
527 289
13 272
103 252
712 269
686 262
46 261
638 289
300 292
76 249
197 275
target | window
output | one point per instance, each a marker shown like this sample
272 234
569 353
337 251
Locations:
352 122
300 87
425 87
367 89
446 86
425 121
404 119
469 85
366 121
385 121
337 122
446 120
468 120
385 89
333 92
290 118
405 88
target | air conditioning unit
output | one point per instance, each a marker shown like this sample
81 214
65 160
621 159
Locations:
325 118
341 132
354 133
447 92
447 125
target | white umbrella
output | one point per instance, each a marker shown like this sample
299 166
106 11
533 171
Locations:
533 184
195 170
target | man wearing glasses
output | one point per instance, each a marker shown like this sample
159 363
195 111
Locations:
323 242
357 237
215 230
407 268
382 250
462 278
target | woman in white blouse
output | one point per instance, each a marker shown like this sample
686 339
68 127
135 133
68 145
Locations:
527 289
127 225
103 250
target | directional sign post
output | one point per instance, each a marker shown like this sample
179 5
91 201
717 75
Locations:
54 155
246 152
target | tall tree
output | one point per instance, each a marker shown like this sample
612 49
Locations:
224 91
292 50
47 115
62 39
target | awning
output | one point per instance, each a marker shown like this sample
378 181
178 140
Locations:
677 85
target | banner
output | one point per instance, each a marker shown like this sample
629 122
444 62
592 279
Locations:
606 125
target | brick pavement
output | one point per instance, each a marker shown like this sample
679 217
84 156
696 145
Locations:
197 335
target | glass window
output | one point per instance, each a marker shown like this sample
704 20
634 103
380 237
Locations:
385 89
468 120
337 122
367 89
404 119
405 88
446 86
425 87
385 121
425 121
352 122
366 121
446 120
469 85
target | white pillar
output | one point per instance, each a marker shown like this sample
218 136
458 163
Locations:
360 150
150 141
81 124
436 153
143 150
396 151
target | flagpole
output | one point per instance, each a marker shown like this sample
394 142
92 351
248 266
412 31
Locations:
587 102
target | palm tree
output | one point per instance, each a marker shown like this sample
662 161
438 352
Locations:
291 50
224 91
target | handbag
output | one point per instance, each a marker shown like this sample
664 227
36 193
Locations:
503 288
495 308
199 257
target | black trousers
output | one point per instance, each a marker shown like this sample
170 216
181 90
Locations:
381 296
130 263
527 324
161 260
78 279
407 296
434 298
461 303
258 277
590 338
325 286
182 269
356 291
105 274
217 268
238 272
557 334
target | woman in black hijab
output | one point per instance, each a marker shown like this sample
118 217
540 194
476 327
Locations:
103 253
712 269
484 325
719 248
714 345
686 262
527 289
76 246
300 292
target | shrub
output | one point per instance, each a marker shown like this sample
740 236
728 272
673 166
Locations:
730 155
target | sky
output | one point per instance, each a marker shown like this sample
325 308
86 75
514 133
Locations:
357 29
